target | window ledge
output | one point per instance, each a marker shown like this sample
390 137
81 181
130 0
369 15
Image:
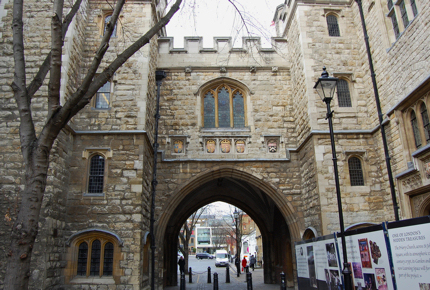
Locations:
101 109
422 151
222 130
93 280
94 194
401 33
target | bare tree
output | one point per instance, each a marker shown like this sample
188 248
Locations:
233 226
187 230
36 147
220 230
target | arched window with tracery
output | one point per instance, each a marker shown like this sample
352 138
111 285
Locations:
425 118
223 107
94 254
355 171
332 25
96 174
415 130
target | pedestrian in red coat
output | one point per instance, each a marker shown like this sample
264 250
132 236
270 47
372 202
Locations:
244 264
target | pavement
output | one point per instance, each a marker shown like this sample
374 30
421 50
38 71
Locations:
199 280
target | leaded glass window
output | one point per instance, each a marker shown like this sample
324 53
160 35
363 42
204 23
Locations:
343 95
395 24
82 259
209 110
355 171
238 110
415 130
404 14
414 8
333 26
97 167
95 258
108 260
425 118
107 20
103 97
223 107
390 4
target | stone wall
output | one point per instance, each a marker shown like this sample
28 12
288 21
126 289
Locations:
129 89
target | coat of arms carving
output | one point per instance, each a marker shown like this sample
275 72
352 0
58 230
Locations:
273 146
240 146
225 146
210 146
178 146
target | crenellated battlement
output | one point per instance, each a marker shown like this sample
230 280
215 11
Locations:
220 45
222 54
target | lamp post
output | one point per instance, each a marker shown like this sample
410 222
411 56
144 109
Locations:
236 218
325 87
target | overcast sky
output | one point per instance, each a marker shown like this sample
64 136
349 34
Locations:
209 18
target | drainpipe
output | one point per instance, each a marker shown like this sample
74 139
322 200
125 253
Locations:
159 76
380 115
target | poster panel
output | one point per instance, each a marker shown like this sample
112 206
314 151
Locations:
328 274
317 264
303 278
410 248
369 259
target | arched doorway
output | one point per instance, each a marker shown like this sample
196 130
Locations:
271 212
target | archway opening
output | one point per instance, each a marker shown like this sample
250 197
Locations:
277 253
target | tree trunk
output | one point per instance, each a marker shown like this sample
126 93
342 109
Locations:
25 228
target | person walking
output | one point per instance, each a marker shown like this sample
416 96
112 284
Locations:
244 264
252 262
181 264
237 263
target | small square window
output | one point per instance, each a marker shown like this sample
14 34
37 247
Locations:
106 22
103 97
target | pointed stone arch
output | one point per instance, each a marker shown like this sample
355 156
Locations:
277 219
180 193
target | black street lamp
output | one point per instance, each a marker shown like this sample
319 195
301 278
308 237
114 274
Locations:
236 219
325 87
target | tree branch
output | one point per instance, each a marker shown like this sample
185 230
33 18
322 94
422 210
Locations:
90 85
26 130
77 103
56 52
46 65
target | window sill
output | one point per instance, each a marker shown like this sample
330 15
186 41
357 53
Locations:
86 194
223 130
401 33
93 280
100 109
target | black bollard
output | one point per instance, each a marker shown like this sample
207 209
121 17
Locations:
248 281
190 274
247 269
283 286
227 274
182 286
209 275
215 281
